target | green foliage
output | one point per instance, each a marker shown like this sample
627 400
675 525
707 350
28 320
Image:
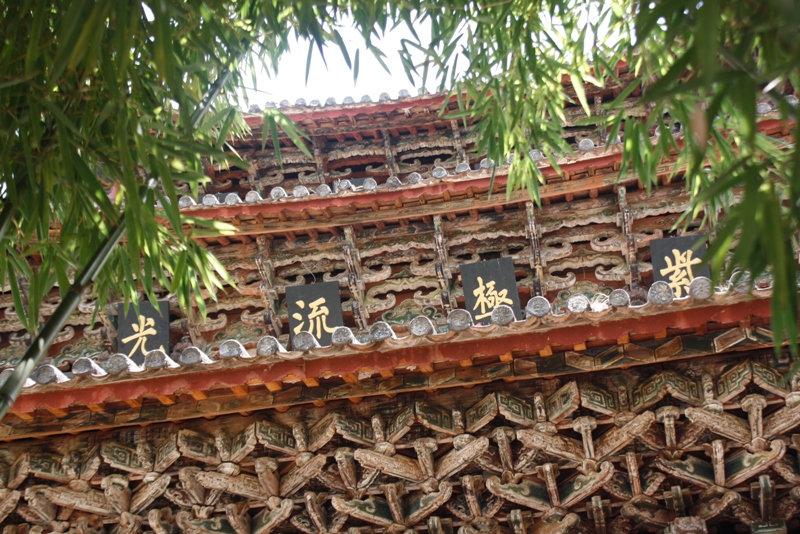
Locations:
704 64
102 96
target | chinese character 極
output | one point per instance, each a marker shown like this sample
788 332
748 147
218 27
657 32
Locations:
317 318
489 297
680 272
143 330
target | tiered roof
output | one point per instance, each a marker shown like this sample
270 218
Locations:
589 413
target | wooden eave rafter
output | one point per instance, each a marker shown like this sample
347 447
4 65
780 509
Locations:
497 343
408 196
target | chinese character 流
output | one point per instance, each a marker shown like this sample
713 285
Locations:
143 330
489 297
680 273
317 318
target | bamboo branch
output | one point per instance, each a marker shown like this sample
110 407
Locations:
10 390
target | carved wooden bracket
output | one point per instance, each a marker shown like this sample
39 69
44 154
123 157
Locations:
625 221
462 154
537 261
391 161
355 279
321 160
269 295
443 272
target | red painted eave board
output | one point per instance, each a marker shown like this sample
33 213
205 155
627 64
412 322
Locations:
525 342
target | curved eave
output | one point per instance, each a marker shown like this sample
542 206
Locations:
523 338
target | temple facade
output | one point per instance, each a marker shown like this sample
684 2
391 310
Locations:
409 347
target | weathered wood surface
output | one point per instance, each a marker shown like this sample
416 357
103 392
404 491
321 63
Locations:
536 455
566 363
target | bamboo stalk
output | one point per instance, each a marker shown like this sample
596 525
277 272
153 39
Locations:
12 387
10 390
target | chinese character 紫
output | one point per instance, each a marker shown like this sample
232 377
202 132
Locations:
317 318
680 273
489 298
143 330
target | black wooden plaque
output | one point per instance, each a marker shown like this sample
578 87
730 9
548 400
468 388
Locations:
676 261
139 333
487 284
315 308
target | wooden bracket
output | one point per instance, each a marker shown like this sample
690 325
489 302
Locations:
678 500
269 293
321 161
443 272
599 510
625 221
252 175
537 263
391 162
190 333
355 280
462 154
764 492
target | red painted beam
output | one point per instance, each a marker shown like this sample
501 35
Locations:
384 357
387 195
354 109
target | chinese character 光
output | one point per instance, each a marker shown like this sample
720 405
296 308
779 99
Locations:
143 329
317 318
680 272
489 297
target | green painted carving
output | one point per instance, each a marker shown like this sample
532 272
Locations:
648 392
690 468
243 444
525 493
356 430
321 432
373 510
402 314
420 505
435 417
683 388
733 381
744 464
197 446
242 332
51 467
11 355
400 424
770 379
214 525
563 402
481 413
581 485
275 437
516 409
598 399
122 457
83 348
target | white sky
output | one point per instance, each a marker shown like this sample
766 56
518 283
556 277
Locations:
337 79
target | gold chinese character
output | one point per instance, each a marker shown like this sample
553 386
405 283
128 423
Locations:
143 329
358 187
681 270
489 297
317 318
